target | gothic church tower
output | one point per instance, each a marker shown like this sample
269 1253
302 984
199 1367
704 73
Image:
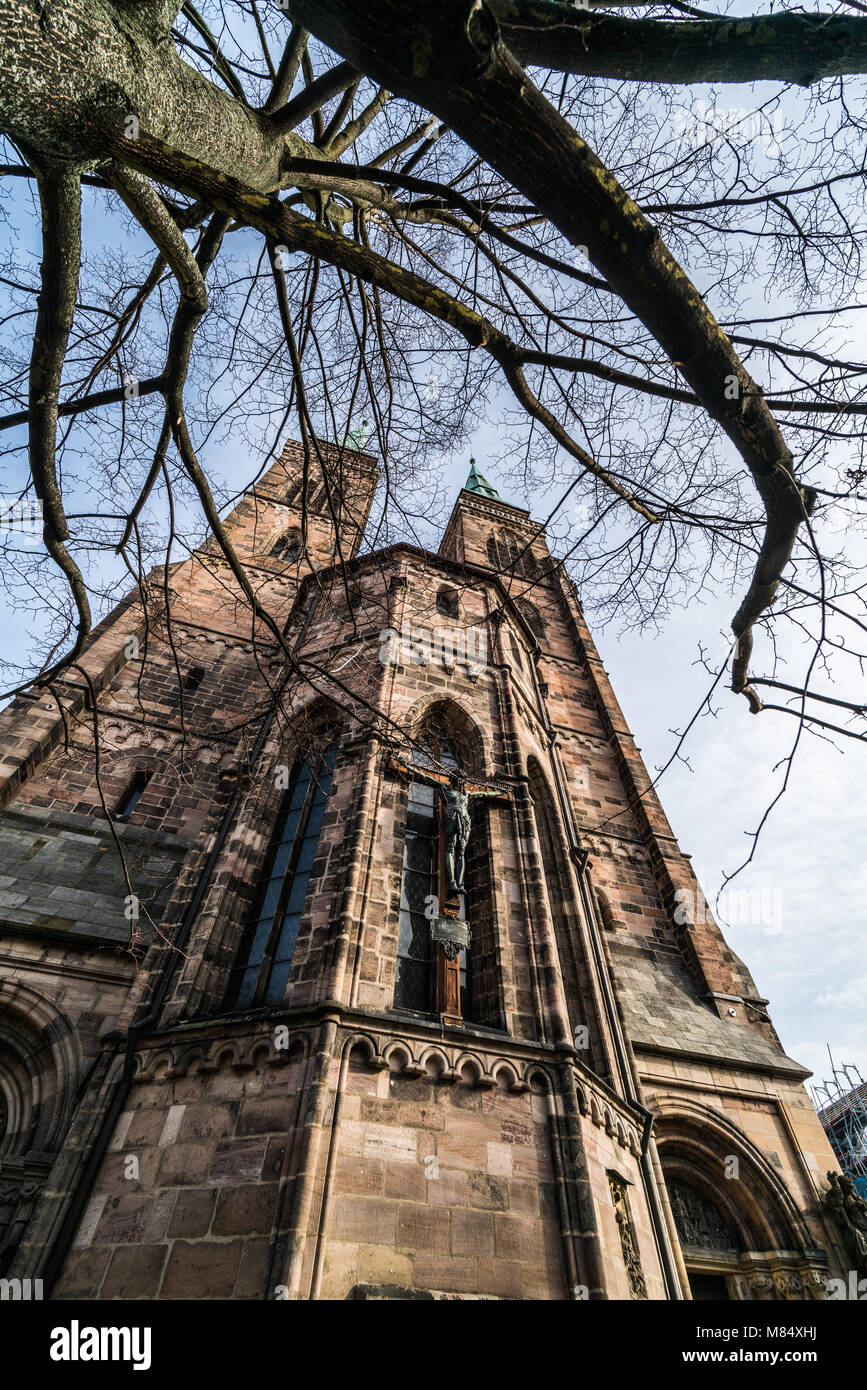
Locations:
346 950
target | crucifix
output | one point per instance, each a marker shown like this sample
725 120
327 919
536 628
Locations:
450 932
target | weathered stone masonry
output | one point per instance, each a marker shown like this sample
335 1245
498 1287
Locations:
570 1136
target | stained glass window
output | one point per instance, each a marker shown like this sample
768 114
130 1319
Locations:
266 957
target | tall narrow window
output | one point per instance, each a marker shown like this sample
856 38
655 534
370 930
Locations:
266 956
321 501
517 655
130 798
574 969
413 986
448 603
423 890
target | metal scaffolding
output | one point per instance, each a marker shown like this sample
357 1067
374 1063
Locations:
842 1107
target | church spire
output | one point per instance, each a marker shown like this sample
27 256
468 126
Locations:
476 482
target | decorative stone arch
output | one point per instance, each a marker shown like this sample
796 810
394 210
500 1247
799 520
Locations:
361 1049
540 1081
160 1065
189 1060
400 1060
41 1065
741 1236
506 1076
259 1053
472 1072
442 721
436 1064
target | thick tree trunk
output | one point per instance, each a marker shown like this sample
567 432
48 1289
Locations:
82 76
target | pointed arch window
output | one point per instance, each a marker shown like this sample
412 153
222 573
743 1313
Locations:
563 910
261 975
517 654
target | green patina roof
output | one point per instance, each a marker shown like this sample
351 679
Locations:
356 439
476 482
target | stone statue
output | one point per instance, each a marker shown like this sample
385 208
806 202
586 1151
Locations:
850 1210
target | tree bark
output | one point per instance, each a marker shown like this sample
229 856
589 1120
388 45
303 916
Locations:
83 76
798 48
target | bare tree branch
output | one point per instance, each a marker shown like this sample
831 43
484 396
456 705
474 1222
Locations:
798 48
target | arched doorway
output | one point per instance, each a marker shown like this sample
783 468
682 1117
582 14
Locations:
740 1232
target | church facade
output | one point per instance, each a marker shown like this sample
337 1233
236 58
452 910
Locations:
346 951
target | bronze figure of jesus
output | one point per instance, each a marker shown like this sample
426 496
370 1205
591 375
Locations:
456 821
456 829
